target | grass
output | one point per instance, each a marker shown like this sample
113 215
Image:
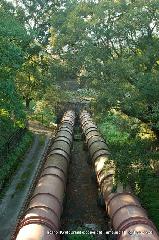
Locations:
149 196
42 139
133 149
24 176
14 161
23 179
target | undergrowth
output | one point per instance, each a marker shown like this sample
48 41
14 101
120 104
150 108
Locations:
133 148
42 113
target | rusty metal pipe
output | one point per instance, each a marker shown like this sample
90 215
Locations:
97 146
127 215
65 134
65 129
90 125
66 125
59 152
124 209
64 139
90 129
95 139
62 145
43 213
57 161
91 134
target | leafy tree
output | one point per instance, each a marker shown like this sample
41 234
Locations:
69 34
133 73
13 37
118 55
33 77
36 73
95 44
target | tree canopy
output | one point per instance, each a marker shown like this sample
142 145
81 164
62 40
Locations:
115 45
110 46
13 38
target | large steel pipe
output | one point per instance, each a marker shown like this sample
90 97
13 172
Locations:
126 214
61 153
97 146
57 161
64 139
66 125
63 128
62 145
98 152
105 171
68 120
95 139
65 134
91 134
129 217
45 207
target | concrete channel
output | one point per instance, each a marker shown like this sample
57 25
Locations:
17 192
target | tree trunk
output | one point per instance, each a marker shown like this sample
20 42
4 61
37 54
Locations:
27 103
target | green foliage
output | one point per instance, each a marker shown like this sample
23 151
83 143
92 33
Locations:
14 160
109 52
42 112
130 151
13 37
96 44
135 157
34 76
113 128
149 195
23 180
